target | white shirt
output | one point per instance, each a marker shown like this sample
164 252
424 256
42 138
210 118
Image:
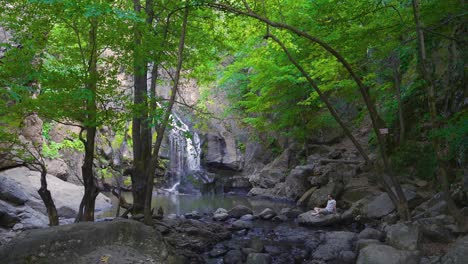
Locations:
331 205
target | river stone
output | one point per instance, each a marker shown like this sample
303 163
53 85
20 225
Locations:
280 218
335 243
193 215
220 214
8 217
86 242
383 254
370 233
233 257
218 251
258 258
290 213
241 224
403 236
247 217
239 211
311 219
458 252
267 214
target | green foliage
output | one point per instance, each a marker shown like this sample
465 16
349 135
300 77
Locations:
416 158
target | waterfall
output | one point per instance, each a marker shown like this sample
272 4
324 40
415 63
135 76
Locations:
184 152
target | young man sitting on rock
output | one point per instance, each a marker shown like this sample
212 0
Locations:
330 209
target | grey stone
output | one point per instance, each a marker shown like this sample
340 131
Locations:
247 217
290 213
311 219
258 258
403 236
280 218
239 211
11 191
241 224
234 257
347 257
370 233
267 214
457 253
220 214
381 205
362 243
383 254
335 243
87 242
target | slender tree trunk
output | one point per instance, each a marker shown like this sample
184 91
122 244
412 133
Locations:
424 65
47 199
87 205
397 84
163 125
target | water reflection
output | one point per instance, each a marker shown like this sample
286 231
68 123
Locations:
181 204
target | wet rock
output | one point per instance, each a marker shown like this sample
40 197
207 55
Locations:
267 214
193 215
258 258
218 251
239 211
290 213
234 257
241 224
247 217
257 245
280 218
335 243
403 236
457 253
370 233
383 254
311 219
220 214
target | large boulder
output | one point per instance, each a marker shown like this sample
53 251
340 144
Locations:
296 181
220 214
32 129
311 219
220 152
11 191
58 168
403 236
67 196
458 252
122 241
383 254
239 210
370 233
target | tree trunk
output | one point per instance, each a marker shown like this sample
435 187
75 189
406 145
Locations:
162 127
397 84
87 205
47 199
424 64
141 130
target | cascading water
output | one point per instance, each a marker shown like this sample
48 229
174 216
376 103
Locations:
184 153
